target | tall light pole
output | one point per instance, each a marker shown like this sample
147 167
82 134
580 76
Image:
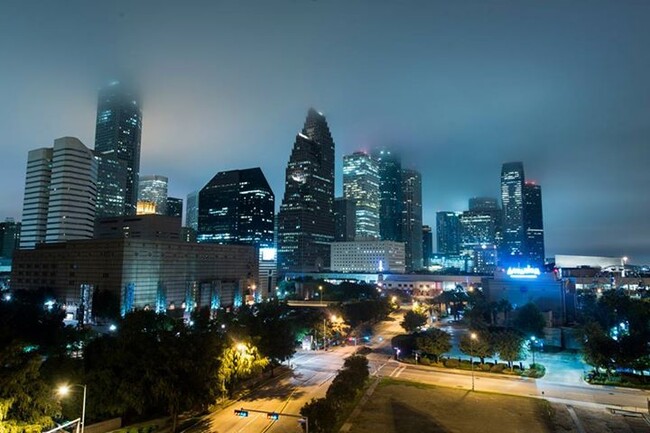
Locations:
533 340
64 390
472 338
324 337
320 288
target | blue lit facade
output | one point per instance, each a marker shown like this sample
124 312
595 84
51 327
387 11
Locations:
512 199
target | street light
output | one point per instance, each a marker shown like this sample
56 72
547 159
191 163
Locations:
472 338
533 340
321 294
64 390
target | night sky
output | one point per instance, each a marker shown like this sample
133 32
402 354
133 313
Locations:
458 87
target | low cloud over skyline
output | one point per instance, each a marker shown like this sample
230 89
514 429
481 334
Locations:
457 87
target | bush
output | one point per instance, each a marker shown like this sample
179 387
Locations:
451 363
425 361
486 367
497 368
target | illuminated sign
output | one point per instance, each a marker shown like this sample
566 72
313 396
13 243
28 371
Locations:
526 272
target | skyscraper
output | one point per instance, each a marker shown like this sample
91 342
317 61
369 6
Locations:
448 232
344 219
237 207
534 224
412 218
152 189
9 237
427 245
192 210
60 193
306 219
391 196
513 234
117 143
361 184
174 207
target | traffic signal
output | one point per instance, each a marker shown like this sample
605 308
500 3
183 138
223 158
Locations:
273 415
241 412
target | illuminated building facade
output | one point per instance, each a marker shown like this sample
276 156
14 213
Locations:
153 189
368 256
361 184
512 199
192 210
306 218
237 207
159 274
412 218
174 207
118 133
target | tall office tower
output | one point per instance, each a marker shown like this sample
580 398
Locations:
37 196
73 191
152 190
9 237
427 245
192 210
174 207
534 224
513 234
237 207
448 232
361 184
412 218
484 204
390 190
478 229
117 142
344 219
306 219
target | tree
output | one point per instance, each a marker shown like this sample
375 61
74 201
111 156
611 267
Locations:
433 342
598 348
529 321
481 347
26 399
413 321
321 414
239 361
510 346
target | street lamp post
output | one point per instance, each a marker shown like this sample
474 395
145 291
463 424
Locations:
320 288
324 335
65 390
472 337
533 340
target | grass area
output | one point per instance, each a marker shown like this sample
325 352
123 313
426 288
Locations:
535 371
404 407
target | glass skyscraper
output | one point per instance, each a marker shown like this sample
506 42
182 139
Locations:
512 189
118 133
237 207
448 232
152 189
391 199
192 210
344 218
361 184
174 207
534 224
412 218
306 219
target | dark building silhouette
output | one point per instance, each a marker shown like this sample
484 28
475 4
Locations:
412 218
9 237
448 232
117 143
391 199
427 245
174 207
533 224
344 219
512 190
306 219
237 207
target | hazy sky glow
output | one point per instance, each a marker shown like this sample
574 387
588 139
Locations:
459 87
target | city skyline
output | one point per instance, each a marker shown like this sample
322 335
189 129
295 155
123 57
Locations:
532 106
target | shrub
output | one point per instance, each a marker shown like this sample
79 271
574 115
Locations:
451 363
425 361
486 367
497 368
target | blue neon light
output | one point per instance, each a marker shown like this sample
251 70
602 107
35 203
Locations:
527 272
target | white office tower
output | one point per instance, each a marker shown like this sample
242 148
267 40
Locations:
60 193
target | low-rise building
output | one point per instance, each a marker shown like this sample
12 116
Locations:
368 256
